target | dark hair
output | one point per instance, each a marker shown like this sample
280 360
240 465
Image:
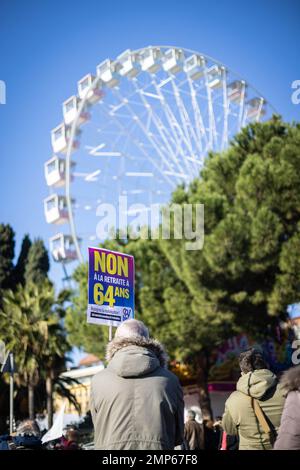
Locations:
250 360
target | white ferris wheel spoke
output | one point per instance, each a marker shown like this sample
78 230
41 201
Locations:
200 129
186 122
241 107
226 110
211 116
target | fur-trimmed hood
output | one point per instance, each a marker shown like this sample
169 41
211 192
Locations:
290 380
135 356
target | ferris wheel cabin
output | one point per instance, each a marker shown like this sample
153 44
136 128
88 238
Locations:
255 108
62 248
236 90
60 139
214 76
107 71
56 210
150 59
173 60
194 66
70 111
87 91
129 62
55 171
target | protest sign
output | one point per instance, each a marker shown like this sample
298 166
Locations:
111 287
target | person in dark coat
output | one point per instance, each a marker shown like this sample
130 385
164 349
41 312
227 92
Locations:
289 431
193 433
210 437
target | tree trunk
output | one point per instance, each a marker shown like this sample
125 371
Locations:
31 401
49 391
202 368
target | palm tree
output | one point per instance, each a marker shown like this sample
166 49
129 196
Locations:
53 356
22 328
31 325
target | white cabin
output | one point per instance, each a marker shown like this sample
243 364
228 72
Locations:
150 59
107 71
214 76
87 92
60 139
194 66
255 108
129 64
55 171
70 111
235 90
56 210
173 60
62 248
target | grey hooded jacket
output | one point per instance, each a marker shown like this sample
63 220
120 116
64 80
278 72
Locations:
136 403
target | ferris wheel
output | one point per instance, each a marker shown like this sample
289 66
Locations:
140 126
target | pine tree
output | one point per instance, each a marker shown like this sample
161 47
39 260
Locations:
19 271
7 251
37 267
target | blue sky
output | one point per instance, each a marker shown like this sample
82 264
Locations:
46 46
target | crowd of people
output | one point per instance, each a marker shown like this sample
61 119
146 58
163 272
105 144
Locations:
137 404
28 436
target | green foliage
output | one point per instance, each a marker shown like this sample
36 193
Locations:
7 251
30 326
249 264
37 266
19 271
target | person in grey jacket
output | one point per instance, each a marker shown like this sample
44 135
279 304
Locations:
289 431
136 403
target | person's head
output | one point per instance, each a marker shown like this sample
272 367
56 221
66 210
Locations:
191 415
72 435
132 329
250 360
28 427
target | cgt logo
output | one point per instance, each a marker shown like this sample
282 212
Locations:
296 93
2 92
126 313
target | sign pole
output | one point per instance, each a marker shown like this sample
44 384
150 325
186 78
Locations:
11 393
